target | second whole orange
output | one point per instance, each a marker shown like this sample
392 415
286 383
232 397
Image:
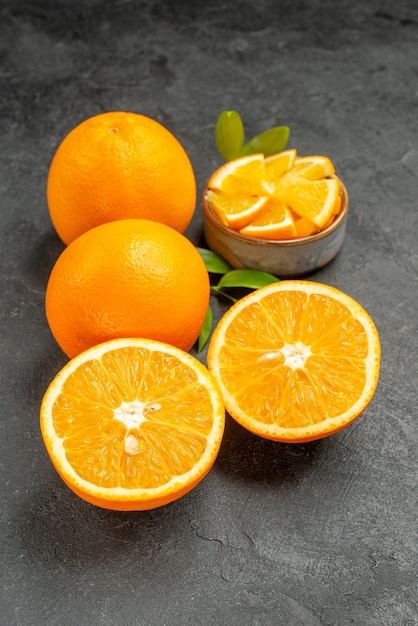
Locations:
119 165
127 279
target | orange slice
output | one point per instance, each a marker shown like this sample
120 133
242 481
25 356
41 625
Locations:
273 221
132 424
235 211
243 176
316 200
295 361
313 167
304 227
278 164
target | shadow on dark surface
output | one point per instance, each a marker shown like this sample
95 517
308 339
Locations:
250 458
40 373
56 526
40 258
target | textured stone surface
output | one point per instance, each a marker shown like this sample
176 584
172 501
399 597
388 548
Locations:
316 534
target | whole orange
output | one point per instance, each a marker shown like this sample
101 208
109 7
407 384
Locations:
119 165
128 279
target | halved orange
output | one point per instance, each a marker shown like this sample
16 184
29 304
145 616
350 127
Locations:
273 221
296 360
132 424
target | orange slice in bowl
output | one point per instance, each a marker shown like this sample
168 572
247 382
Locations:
304 227
278 164
273 221
295 361
243 176
235 211
313 167
132 424
315 200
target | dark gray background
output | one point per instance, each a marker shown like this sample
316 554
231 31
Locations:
315 534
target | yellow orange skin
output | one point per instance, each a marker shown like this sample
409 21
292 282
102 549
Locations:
128 278
119 165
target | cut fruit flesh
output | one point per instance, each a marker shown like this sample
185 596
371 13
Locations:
313 167
273 221
241 176
314 200
132 424
235 211
295 361
241 191
278 164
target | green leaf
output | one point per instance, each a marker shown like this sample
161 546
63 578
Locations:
229 134
251 279
215 264
267 143
206 328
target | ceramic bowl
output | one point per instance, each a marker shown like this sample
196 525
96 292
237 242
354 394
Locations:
285 259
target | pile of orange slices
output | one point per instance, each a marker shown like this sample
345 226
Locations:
283 196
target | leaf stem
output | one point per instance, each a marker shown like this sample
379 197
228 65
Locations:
220 292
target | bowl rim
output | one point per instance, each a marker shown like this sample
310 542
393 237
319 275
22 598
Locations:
341 217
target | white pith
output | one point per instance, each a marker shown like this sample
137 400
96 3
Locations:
295 354
131 415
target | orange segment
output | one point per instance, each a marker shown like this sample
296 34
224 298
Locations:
338 206
277 164
313 167
316 200
244 176
304 227
273 221
132 424
235 211
295 361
